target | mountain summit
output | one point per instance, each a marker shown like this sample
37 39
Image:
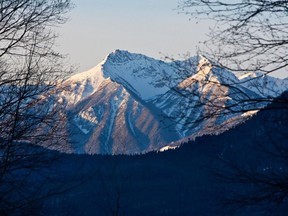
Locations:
141 75
130 103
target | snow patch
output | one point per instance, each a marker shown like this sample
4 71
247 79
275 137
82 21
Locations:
166 148
86 120
250 113
115 102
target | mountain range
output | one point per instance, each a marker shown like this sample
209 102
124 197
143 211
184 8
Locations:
242 171
130 103
133 104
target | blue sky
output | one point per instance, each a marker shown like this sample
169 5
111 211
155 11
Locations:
152 27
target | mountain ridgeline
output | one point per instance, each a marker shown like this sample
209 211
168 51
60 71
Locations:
242 171
130 103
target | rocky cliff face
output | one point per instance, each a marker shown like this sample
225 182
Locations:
130 103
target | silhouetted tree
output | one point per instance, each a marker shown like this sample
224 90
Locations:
248 36
29 72
259 166
112 187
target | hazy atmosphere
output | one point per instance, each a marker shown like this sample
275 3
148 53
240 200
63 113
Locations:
136 108
151 27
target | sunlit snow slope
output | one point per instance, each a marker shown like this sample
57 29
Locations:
130 103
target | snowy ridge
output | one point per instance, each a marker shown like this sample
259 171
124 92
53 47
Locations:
130 103
197 96
115 103
84 84
264 85
140 74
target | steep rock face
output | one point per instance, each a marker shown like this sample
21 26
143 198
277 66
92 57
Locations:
111 121
106 106
207 102
130 103
141 75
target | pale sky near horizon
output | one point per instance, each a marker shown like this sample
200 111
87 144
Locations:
151 27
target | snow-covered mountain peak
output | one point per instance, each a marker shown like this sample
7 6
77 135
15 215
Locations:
208 70
263 84
204 68
122 56
141 75
208 74
132 103
148 78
